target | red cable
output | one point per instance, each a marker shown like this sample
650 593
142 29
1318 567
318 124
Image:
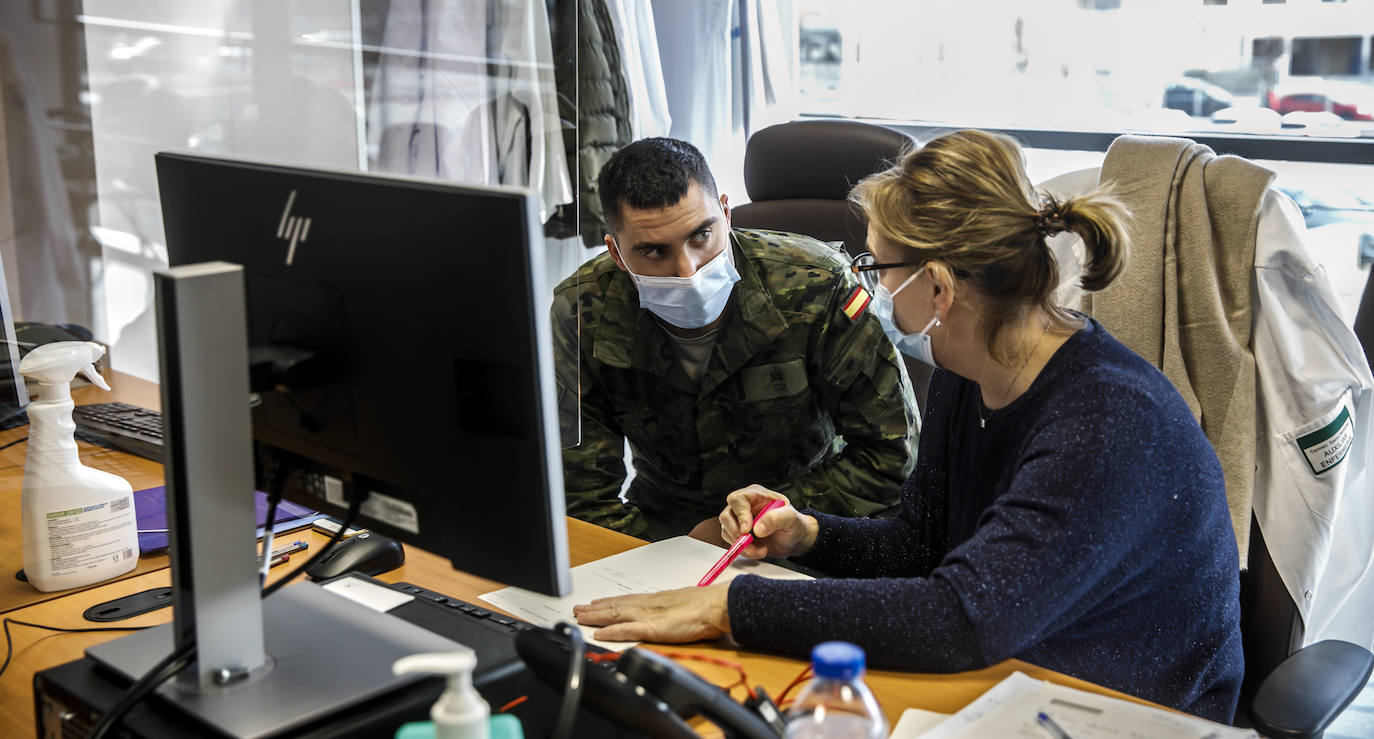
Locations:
737 667
804 675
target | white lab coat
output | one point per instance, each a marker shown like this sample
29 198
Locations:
529 136
465 91
1314 382
705 76
637 38
1314 494
429 112
694 41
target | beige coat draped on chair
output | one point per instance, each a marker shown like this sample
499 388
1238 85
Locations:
1184 299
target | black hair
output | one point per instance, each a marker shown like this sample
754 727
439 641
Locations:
650 174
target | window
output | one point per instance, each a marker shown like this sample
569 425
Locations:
1067 82
1140 66
1326 56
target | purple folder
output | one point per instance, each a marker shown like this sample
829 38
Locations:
150 508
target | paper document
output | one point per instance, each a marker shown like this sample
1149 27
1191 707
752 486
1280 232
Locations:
1010 707
377 597
663 565
915 722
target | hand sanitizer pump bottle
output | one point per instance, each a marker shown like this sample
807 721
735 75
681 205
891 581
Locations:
78 523
460 713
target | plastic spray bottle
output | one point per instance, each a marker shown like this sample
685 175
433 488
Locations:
78 523
460 713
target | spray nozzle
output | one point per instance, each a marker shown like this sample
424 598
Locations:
58 363
90 374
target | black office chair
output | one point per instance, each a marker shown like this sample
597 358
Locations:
1289 693
798 176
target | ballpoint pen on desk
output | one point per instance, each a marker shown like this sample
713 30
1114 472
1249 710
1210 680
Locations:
743 541
294 546
1049 725
279 556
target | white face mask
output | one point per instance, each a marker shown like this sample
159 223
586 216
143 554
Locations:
690 302
917 345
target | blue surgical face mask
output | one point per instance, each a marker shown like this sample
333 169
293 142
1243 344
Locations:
917 345
690 302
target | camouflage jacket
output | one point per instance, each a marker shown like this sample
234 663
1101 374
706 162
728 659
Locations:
796 396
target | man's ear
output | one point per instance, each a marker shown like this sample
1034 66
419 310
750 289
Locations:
615 253
725 206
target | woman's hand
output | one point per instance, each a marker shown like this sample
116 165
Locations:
671 616
782 532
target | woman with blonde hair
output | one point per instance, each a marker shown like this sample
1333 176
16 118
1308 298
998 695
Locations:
1065 509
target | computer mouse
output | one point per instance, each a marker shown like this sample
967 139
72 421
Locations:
366 552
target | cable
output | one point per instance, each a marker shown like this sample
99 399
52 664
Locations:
9 641
804 675
572 694
352 515
12 443
268 534
276 486
737 667
160 672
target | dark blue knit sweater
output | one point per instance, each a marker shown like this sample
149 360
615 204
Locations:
1085 529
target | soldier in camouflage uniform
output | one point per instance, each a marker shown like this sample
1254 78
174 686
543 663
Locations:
793 385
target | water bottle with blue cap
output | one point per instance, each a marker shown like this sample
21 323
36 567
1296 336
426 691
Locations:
836 703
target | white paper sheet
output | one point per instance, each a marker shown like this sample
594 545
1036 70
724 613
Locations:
377 597
915 722
663 565
1011 689
1009 709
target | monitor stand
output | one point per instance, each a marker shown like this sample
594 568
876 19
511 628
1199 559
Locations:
325 653
319 651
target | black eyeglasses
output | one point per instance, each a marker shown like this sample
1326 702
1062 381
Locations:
865 266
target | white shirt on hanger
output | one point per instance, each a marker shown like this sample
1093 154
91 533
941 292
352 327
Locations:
637 38
465 91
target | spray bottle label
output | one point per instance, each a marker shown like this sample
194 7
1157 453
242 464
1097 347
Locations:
82 539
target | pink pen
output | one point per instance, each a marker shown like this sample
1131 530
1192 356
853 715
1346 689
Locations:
743 541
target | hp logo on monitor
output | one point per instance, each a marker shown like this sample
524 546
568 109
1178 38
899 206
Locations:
292 228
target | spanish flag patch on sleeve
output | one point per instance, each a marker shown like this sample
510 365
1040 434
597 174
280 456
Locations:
855 304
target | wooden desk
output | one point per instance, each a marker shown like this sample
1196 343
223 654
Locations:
37 650
141 473
896 691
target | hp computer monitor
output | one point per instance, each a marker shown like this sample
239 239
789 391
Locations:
412 352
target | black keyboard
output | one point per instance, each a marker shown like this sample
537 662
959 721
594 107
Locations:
122 426
501 675
489 634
